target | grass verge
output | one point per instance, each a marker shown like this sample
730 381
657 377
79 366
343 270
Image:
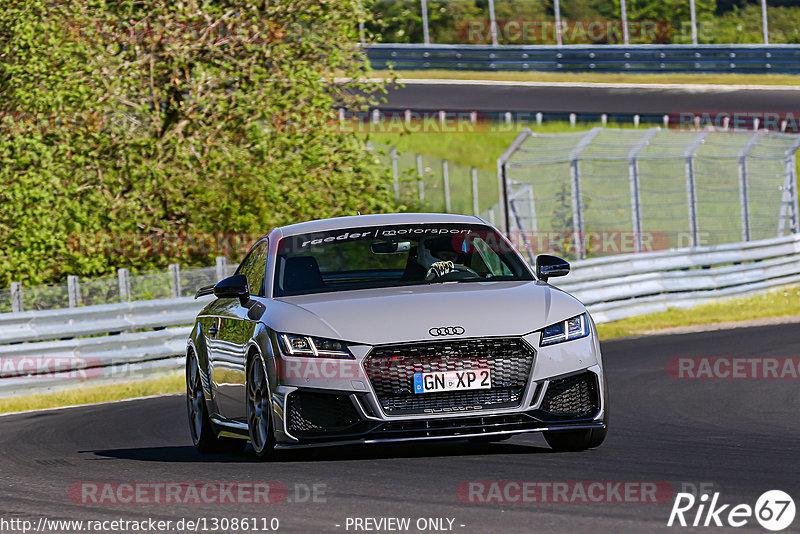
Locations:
476 149
579 77
780 303
172 383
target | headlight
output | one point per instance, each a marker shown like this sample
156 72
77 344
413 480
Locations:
294 345
574 328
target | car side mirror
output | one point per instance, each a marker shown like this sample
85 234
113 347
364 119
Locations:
233 287
547 266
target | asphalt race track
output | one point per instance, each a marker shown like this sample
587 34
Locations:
613 99
739 437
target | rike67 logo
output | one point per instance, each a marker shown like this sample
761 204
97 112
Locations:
774 510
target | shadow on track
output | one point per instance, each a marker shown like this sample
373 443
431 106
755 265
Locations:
188 454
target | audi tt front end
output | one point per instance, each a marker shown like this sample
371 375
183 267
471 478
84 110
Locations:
388 328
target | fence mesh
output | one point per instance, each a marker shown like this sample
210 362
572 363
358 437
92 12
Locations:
94 291
470 190
637 190
106 289
194 279
640 190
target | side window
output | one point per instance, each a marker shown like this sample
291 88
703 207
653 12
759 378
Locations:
492 261
253 267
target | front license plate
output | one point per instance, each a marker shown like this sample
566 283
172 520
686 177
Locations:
452 380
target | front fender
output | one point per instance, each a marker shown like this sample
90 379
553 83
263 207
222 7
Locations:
197 344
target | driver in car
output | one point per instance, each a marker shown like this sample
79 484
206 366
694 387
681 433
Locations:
438 256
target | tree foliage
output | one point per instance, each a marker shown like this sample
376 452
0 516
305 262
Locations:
172 118
719 21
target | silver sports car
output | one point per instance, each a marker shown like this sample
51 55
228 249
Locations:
387 328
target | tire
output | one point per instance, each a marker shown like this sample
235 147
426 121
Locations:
575 440
204 437
259 410
580 440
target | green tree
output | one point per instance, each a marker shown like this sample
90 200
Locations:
171 118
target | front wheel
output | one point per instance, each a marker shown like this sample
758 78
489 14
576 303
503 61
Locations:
575 440
579 440
259 410
204 438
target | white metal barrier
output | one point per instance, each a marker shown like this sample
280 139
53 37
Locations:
49 350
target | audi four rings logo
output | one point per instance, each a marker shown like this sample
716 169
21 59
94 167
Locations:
447 331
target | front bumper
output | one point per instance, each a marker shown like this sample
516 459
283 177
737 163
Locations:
314 417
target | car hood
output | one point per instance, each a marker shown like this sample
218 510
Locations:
391 315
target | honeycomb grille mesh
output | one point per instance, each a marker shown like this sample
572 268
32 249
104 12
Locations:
391 371
316 413
574 396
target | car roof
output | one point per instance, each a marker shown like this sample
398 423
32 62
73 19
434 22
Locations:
386 219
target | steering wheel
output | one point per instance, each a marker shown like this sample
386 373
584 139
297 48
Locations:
440 269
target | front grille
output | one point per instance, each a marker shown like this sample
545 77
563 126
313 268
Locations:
572 397
391 371
312 414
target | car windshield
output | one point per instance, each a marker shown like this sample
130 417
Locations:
391 256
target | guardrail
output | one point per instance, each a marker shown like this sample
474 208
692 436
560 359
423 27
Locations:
761 59
622 286
57 349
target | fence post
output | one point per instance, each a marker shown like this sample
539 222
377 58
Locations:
633 176
124 279
532 201
420 182
693 18
16 297
221 267
789 210
425 35
446 180
743 194
475 205
492 23
175 279
623 15
691 189
73 291
395 177
557 12
577 209
502 177
575 180
795 210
